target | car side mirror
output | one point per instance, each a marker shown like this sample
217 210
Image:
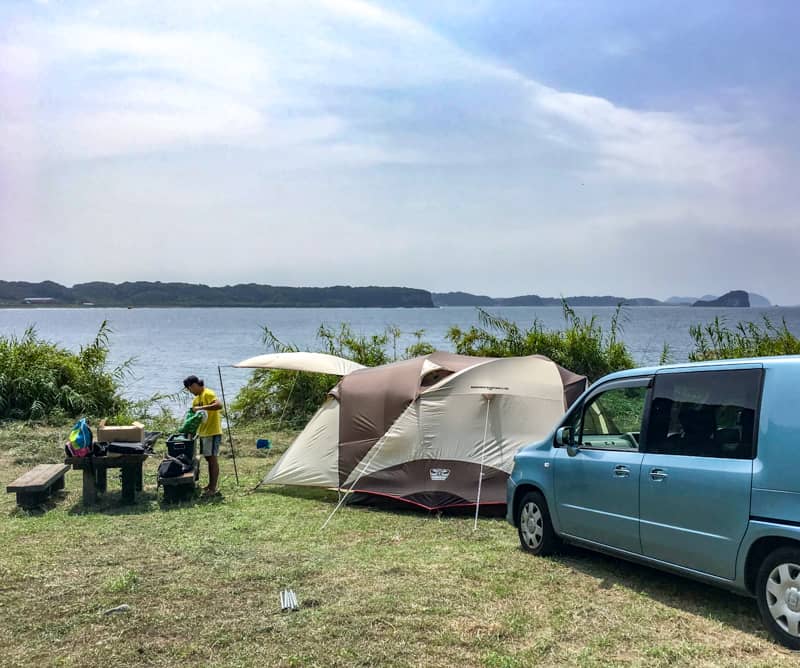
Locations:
565 437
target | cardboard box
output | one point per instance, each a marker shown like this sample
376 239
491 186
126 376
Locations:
129 433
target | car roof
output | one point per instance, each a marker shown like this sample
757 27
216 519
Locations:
765 361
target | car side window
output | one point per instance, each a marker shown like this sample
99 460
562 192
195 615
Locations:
705 413
613 420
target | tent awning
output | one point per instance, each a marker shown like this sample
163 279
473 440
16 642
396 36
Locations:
313 362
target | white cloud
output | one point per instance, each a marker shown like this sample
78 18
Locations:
651 145
294 63
375 16
218 60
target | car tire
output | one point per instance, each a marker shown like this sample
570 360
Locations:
778 595
535 530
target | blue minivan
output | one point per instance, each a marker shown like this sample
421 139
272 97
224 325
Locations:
693 469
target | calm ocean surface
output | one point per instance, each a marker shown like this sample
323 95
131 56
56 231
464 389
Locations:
168 344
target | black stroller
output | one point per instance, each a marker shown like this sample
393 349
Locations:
179 471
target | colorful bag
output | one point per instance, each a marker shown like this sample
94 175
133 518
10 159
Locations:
80 439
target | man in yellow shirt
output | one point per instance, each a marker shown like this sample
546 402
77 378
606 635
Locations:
210 432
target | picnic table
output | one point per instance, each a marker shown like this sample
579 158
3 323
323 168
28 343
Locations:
95 474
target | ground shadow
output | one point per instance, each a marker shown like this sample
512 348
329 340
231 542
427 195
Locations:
307 493
675 591
110 503
188 501
370 503
51 503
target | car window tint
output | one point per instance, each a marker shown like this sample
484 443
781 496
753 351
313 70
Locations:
704 413
613 420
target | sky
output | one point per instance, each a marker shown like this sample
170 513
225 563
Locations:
633 148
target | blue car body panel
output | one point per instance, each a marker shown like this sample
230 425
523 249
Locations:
595 502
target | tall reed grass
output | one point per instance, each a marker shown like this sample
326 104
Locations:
41 380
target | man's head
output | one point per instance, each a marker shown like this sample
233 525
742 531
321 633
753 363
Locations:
194 385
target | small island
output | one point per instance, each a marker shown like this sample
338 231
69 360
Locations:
732 299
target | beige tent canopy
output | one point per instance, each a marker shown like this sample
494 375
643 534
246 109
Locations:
299 361
428 429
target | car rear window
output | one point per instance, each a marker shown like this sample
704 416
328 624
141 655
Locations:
705 413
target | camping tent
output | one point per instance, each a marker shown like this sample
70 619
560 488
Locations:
427 430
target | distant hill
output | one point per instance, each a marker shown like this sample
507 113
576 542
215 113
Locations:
144 293
460 299
467 299
156 293
734 298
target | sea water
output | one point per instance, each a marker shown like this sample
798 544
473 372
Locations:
168 344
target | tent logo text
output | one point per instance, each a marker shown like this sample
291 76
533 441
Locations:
440 474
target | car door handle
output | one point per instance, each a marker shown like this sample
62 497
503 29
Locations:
622 471
658 475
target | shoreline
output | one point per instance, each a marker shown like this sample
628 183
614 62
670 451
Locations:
71 307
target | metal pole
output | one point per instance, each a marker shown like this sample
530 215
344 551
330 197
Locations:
228 423
483 459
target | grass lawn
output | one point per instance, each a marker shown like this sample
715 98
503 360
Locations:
376 588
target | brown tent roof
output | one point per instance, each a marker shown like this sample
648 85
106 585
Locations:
372 399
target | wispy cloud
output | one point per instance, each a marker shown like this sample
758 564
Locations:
651 145
139 89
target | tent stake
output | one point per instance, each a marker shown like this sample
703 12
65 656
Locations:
228 423
483 458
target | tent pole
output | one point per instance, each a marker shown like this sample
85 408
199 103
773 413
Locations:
483 458
228 423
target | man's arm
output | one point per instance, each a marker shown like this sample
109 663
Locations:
213 406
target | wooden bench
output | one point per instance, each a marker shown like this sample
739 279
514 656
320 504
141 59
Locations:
34 487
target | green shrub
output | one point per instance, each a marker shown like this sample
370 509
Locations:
747 339
583 346
41 380
289 398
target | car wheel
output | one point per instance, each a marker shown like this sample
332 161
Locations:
535 530
778 595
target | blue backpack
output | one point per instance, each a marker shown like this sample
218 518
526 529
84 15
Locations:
80 439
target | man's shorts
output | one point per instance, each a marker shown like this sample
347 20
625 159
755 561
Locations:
209 445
